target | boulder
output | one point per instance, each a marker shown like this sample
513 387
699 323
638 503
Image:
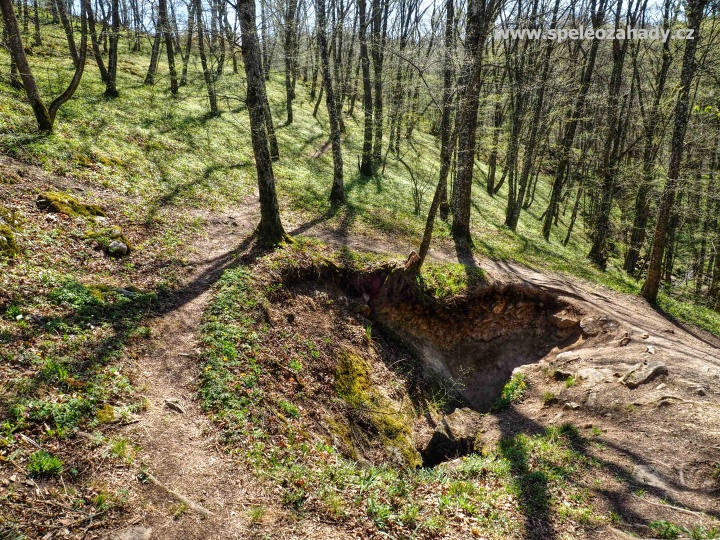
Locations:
457 434
117 249
643 373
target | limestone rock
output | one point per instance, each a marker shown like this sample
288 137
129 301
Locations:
132 533
647 474
643 373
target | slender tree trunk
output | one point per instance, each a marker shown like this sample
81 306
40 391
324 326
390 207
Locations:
45 116
289 45
188 43
207 75
270 231
651 286
169 46
94 40
481 14
367 167
337 194
154 56
65 21
37 38
111 80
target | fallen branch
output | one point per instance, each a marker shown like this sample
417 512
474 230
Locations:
190 504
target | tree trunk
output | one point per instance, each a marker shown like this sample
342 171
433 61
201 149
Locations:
207 75
270 231
651 286
367 167
337 194
289 45
94 40
67 27
164 23
480 15
111 81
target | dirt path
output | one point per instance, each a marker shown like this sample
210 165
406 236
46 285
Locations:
179 446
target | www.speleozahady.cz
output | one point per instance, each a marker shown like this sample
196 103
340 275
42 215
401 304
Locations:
563 34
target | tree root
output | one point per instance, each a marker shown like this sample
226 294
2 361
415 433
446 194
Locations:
190 504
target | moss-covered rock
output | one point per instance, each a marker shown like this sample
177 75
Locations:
8 246
112 241
62 203
386 417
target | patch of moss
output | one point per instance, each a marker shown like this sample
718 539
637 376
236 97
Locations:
8 246
8 177
353 384
106 414
62 203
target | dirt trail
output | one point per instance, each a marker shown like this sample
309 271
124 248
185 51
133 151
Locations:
180 449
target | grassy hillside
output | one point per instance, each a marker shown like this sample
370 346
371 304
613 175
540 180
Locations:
167 155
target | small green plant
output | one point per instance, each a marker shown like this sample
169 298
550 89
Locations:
180 510
256 514
42 463
596 431
549 398
665 529
378 512
513 392
295 364
615 518
288 408
570 381
699 532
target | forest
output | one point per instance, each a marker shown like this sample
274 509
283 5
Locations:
359 269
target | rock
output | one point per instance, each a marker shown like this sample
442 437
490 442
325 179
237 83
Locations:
700 391
117 249
647 474
650 349
625 340
591 399
592 326
456 435
360 308
643 373
661 386
592 375
174 404
562 320
571 406
132 533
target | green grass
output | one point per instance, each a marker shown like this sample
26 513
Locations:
166 154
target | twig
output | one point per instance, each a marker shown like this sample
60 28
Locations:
190 504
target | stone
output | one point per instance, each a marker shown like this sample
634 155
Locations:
700 391
562 320
592 375
647 474
118 249
591 399
571 406
132 533
457 434
643 373
173 403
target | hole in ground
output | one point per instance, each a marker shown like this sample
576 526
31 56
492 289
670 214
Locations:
473 344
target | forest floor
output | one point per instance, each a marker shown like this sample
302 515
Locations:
163 467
